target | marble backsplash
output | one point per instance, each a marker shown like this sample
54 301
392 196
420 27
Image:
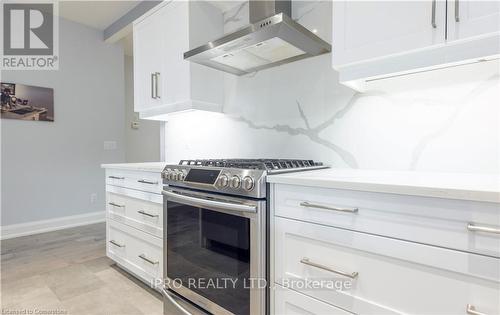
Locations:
443 120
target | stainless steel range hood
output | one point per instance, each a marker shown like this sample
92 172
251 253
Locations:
272 39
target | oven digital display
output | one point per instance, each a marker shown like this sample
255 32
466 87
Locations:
202 176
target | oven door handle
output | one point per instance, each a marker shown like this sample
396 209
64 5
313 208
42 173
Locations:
200 202
174 302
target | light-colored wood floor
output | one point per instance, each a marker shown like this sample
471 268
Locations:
67 272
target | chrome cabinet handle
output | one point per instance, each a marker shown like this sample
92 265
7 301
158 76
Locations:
306 261
116 205
153 85
116 177
457 10
145 181
148 214
471 310
478 228
174 302
199 202
312 205
433 15
143 257
157 77
116 244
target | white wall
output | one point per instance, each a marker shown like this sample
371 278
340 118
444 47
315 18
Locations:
143 144
446 120
49 170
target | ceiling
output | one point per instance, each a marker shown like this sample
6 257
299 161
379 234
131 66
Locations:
96 14
100 14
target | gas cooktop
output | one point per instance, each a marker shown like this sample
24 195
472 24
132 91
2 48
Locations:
269 165
242 177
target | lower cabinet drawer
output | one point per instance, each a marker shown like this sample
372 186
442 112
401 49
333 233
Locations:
289 302
139 180
141 214
135 250
455 224
367 274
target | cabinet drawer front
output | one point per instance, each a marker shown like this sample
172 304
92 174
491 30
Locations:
144 181
388 276
289 302
144 215
434 221
127 245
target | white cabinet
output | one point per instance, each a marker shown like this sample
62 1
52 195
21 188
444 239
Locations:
381 275
136 211
365 30
147 62
379 39
138 252
336 251
163 81
134 220
395 216
293 303
470 18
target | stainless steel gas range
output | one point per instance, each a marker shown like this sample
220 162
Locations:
215 234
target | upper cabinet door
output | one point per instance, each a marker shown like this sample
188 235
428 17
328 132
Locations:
365 30
470 18
176 71
148 47
164 82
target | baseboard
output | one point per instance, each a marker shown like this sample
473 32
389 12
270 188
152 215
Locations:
35 227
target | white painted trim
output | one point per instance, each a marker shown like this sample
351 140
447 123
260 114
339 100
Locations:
163 152
35 227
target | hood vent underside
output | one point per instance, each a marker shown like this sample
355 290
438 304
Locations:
269 42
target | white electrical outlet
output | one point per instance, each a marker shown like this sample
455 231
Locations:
93 198
134 125
110 145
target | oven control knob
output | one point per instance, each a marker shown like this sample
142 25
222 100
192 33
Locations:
175 176
235 181
181 176
167 174
223 180
248 183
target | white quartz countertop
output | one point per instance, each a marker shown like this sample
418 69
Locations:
465 186
146 167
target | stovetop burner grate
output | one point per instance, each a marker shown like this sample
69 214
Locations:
257 164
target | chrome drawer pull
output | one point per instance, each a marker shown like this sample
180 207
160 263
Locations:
433 14
116 177
148 214
143 257
478 228
145 181
157 76
116 244
153 75
116 205
312 205
472 310
306 261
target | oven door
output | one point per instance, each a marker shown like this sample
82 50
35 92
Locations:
214 250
